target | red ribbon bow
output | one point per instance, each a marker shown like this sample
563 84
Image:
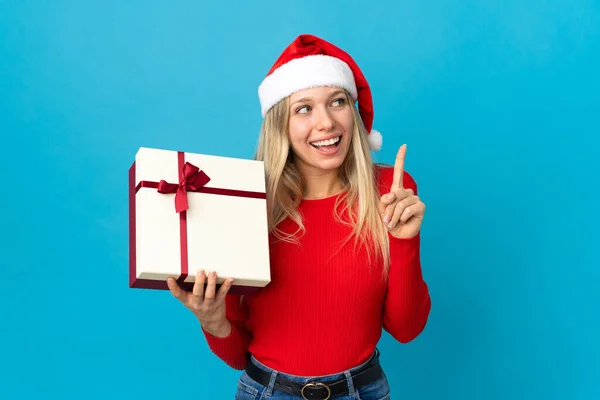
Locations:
190 178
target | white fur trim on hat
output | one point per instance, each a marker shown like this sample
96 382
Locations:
375 140
304 73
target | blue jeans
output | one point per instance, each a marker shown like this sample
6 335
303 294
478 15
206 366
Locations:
248 389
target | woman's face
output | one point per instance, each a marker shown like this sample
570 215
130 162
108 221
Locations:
320 128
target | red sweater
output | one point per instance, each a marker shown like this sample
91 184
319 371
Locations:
324 310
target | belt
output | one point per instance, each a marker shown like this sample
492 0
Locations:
315 390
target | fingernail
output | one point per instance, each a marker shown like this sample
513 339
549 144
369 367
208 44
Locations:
391 225
213 274
390 196
386 219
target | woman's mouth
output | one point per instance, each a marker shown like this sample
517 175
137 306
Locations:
327 146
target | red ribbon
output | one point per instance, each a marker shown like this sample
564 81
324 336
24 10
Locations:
190 178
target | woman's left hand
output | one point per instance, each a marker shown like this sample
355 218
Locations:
402 211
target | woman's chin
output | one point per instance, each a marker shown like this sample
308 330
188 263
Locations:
330 164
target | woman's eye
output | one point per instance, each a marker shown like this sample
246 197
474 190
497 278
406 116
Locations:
339 102
302 110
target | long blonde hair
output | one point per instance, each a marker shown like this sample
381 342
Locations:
357 174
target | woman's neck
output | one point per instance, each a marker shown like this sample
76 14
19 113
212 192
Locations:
321 184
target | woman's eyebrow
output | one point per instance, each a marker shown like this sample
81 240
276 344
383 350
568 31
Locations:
302 100
337 92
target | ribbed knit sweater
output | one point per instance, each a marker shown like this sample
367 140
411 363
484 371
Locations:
324 310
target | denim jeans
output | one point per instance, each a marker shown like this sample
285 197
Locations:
248 389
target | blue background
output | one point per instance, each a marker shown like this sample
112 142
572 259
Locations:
497 100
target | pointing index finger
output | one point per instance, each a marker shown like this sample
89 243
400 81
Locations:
397 182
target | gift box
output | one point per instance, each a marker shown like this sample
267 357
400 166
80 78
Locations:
195 211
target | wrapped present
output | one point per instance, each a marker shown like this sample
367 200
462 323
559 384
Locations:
195 211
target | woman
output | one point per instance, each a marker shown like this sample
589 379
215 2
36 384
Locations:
344 243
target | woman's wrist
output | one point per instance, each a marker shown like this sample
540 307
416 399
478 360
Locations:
220 329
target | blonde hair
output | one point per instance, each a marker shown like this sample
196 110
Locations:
284 183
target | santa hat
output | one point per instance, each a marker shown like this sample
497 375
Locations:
310 62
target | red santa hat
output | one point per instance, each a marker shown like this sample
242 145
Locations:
310 62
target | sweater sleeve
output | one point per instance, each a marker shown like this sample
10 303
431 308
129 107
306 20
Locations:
232 349
407 303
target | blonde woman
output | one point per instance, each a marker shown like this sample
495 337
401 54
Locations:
345 243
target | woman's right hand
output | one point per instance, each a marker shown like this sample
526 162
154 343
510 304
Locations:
208 306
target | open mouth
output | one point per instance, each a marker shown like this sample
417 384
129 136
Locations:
328 144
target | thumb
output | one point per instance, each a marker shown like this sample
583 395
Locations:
388 198
385 201
176 290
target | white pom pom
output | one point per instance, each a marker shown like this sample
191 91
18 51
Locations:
375 140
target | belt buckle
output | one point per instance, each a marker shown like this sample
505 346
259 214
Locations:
315 385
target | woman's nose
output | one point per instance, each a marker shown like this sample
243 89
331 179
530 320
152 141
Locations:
324 121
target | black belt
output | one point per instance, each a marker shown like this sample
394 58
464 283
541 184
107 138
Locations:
319 390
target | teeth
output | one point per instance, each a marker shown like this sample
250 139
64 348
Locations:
326 142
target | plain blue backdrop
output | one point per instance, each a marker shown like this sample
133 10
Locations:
498 102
